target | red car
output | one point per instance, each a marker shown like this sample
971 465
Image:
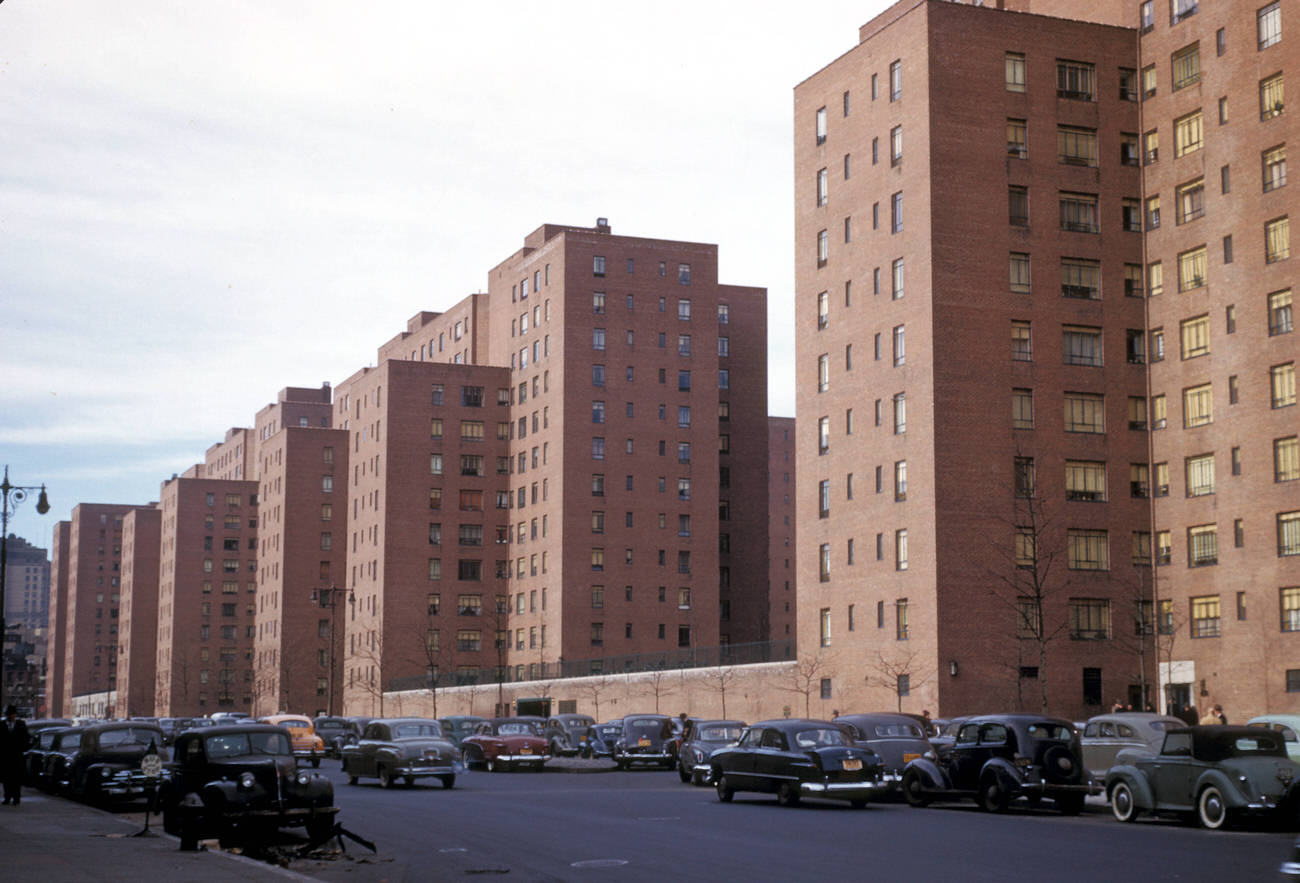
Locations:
504 743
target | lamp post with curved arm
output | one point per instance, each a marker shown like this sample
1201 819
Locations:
13 495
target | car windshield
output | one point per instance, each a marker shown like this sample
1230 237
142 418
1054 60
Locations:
516 728
1161 726
720 734
907 731
645 723
237 744
130 736
580 723
1053 732
414 731
821 737
295 722
331 726
72 740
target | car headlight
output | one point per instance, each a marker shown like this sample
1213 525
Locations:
246 781
303 778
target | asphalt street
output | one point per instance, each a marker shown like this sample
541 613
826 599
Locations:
645 825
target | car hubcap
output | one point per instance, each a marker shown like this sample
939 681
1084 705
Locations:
1212 808
1123 802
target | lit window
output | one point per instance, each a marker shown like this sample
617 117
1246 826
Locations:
1270 97
1274 161
1015 73
1282 384
1200 475
1288 533
1189 135
1205 616
1084 412
1286 459
1087 549
1191 269
1075 146
1194 337
1198 406
1277 240
1187 66
1085 481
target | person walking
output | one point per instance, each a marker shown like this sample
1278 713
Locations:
1209 719
1218 712
14 743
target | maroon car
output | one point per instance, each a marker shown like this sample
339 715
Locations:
505 743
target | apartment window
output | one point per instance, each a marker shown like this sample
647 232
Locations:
1075 80
1269 25
823 309
1286 459
1084 412
1128 84
824 562
896 213
1134 345
1162 479
1085 480
1205 616
824 617
1223 110
823 248
1015 65
1288 533
1024 477
1019 264
895 80
1200 475
1079 212
1153 212
900 481
1230 318
1017 143
1137 413
821 186
1148 81
1181 9
1198 406
1289 599
1086 549
1081 278
902 630
1190 201
1202 545
1164 554
1150 147
1022 347
684 344
1022 409
1277 240
1089 619
1139 481
1195 336
1282 384
1029 617
900 549
823 498
1191 269
1131 216
895 145
1270 97
1018 206
1147 15
1274 162
1186 66
1189 135
823 435
821 125
900 353
900 411
1082 345
598 449
1076 146
896 279
598 338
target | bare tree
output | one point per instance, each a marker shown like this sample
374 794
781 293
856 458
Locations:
806 678
658 683
370 654
592 688
1169 622
719 680
900 673
1141 640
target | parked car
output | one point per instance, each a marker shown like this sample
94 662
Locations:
644 739
34 758
34 728
1211 772
306 744
57 759
505 743
172 726
896 738
242 779
403 748
796 758
946 731
457 726
601 738
228 716
336 732
998 758
1288 725
1106 735
699 741
566 734
106 764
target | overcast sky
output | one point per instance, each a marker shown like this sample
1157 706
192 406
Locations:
201 204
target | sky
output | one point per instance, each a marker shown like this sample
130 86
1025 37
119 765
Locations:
193 197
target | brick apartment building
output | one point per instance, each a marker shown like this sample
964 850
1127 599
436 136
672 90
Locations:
27 585
782 528
999 531
137 639
56 645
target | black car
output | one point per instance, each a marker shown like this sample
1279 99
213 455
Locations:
794 759
699 740
601 738
998 758
242 780
566 734
897 738
336 732
106 765
645 739
35 758
56 760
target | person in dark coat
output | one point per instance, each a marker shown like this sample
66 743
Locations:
13 743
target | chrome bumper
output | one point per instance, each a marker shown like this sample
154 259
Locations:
424 769
865 789
523 758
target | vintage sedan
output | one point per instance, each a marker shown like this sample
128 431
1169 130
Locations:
242 780
601 738
1106 735
1288 725
106 764
36 757
897 738
306 744
645 739
566 734
457 726
335 732
1214 773
998 758
699 740
405 748
795 758
505 743
56 761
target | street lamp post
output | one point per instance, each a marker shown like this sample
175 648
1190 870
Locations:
13 497
328 598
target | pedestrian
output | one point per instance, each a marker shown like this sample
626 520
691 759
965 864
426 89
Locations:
1218 712
1117 707
13 743
1209 719
835 712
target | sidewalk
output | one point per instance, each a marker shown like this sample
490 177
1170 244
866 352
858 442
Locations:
52 840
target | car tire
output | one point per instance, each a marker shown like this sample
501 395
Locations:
725 791
1122 805
620 763
1070 804
787 794
698 778
315 763
491 765
914 789
682 773
386 779
992 796
408 781
352 780
1211 808
448 782
858 803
